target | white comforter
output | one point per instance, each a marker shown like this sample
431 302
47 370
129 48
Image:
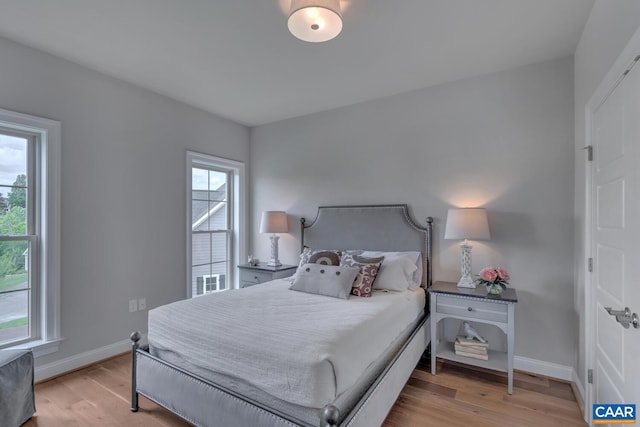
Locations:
302 348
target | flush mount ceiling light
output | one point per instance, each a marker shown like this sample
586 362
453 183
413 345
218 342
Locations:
315 20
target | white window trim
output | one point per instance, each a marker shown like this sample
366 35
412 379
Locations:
204 283
239 211
49 209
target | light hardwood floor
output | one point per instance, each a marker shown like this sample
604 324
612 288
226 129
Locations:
458 396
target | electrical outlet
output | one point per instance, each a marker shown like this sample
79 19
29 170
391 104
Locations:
142 304
133 305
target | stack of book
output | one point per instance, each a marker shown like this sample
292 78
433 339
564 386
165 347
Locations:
471 348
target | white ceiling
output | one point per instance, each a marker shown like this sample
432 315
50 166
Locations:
236 58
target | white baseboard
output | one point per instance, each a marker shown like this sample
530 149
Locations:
548 369
578 389
43 372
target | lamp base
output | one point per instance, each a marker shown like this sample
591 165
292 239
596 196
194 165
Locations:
274 261
465 265
466 282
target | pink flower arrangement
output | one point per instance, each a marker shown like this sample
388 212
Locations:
494 276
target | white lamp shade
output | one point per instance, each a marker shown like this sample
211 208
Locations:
467 223
274 222
315 20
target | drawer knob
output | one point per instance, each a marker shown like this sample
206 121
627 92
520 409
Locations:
469 309
255 277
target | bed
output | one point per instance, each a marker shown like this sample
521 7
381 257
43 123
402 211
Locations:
293 373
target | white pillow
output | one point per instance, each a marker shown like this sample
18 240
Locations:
417 275
398 271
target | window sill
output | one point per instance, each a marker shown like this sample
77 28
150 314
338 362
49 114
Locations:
39 347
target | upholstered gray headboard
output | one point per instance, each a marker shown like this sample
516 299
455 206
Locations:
370 227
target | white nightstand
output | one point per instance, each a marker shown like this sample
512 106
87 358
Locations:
255 274
473 305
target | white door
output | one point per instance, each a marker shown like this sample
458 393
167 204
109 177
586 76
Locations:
616 242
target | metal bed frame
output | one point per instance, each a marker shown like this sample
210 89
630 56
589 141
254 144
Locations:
348 227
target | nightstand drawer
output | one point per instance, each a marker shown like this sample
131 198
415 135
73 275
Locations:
472 308
256 274
254 277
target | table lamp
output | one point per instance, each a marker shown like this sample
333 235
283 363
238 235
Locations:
274 222
466 223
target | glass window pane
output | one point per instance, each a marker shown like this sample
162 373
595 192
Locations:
202 280
197 281
219 251
208 248
199 179
13 161
217 185
218 217
14 316
200 249
199 214
13 221
14 265
207 180
208 216
218 268
209 200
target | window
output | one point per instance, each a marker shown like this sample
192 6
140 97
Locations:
29 232
215 218
211 283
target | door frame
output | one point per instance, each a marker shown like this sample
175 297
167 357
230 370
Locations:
625 61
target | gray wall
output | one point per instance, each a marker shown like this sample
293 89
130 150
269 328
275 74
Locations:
503 141
123 180
609 28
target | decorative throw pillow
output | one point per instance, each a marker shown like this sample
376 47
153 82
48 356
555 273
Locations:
308 252
327 257
369 268
329 280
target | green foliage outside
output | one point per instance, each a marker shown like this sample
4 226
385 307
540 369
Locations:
13 223
15 322
18 196
11 280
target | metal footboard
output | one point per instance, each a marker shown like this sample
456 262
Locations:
271 416
399 369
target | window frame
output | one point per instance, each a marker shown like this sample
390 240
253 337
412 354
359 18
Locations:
45 260
216 276
236 170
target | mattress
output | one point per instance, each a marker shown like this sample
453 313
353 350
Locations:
304 349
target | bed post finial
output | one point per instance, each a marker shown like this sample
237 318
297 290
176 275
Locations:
135 337
302 222
427 264
330 415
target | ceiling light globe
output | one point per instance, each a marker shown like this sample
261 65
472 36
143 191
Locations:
315 20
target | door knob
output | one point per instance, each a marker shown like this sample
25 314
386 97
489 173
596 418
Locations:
624 317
